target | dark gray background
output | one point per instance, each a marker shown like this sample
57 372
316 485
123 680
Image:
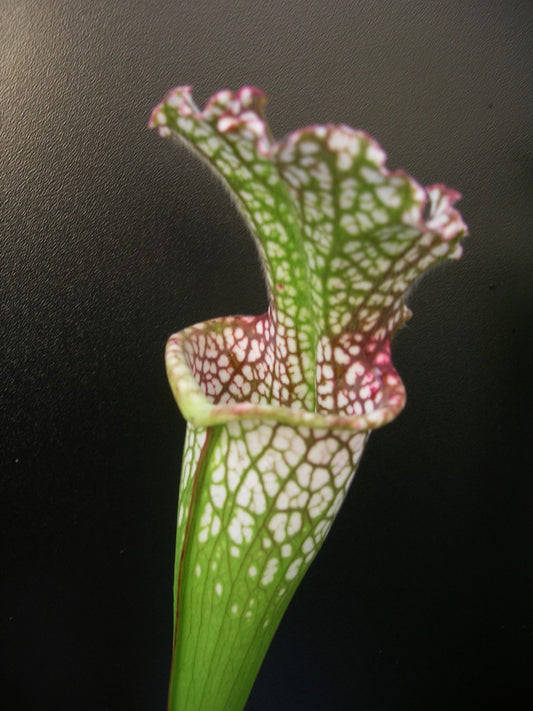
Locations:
112 239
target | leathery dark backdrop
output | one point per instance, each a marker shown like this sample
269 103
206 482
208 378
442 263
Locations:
112 239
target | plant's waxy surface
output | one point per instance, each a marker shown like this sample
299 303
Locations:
280 405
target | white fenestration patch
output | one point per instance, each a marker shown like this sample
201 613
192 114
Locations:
218 495
250 494
308 545
322 451
241 527
215 526
388 196
278 526
286 550
320 478
318 502
303 474
285 438
271 483
270 571
293 569
294 523
205 523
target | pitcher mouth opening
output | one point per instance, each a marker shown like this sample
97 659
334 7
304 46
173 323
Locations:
365 400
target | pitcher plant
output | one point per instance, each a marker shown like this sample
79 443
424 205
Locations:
279 406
